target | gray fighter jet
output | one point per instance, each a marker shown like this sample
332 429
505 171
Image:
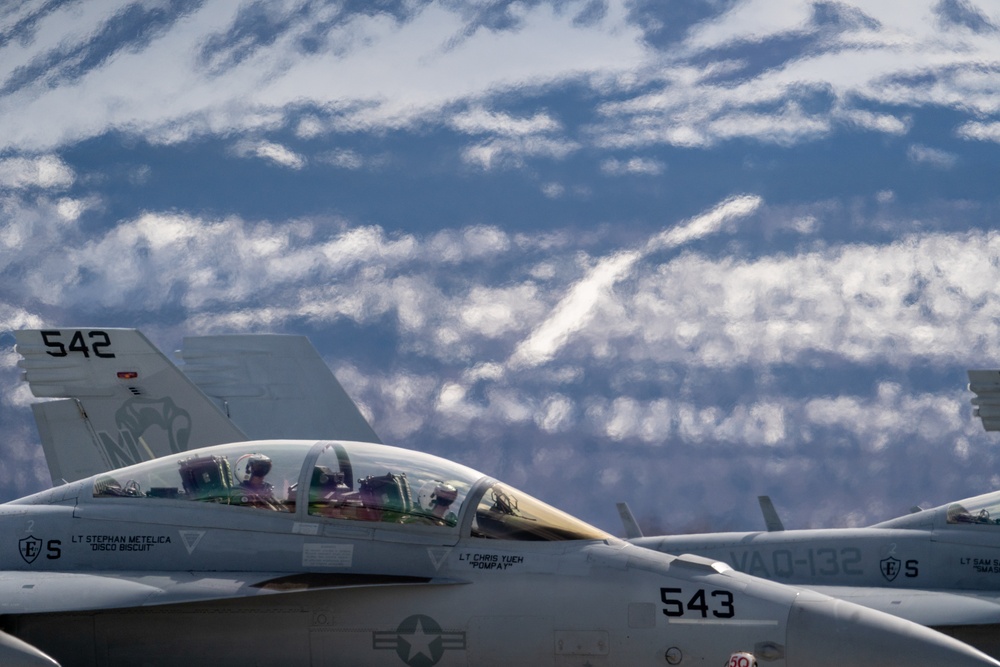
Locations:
939 567
336 552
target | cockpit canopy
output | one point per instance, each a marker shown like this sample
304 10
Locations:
981 510
347 481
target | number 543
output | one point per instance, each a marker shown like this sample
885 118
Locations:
719 602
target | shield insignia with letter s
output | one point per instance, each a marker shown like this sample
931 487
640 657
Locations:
890 567
30 547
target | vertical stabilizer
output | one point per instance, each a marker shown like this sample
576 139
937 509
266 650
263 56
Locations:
632 529
125 402
274 386
771 518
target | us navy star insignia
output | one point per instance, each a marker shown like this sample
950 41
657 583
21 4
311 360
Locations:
419 641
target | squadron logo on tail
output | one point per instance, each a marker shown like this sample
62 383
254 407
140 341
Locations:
134 419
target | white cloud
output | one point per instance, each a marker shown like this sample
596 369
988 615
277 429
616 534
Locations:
270 150
884 123
71 209
46 171
633 166
754 20
510 152
344 158
710 222
929 296
891 59
980 131
576 309
482 121
310 127
30 230
893 413
553 190
382 73
13 318
885 196
469 244
495 313
933 157
556 414
511 139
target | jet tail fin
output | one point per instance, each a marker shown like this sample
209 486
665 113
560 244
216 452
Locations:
771 518
986 386
131 403
632 529
274 386
122 401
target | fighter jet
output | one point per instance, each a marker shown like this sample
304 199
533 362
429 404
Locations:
939 567
106 386
335 552
125 402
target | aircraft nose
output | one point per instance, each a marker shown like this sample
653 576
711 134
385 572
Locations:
824 632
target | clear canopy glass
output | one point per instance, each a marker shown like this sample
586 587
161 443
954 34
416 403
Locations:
505 513
374 483
345 481
983 510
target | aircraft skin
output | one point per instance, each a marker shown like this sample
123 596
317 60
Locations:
939 567
168 563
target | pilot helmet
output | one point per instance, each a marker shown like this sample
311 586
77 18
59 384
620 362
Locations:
325 477
258 465
425 496
444 494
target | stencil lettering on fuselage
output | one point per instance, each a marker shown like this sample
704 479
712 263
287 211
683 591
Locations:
477 560
800 563
121 543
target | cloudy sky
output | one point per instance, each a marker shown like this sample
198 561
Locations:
673 253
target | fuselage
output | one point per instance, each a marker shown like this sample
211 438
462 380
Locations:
939 567
954 546
351 558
